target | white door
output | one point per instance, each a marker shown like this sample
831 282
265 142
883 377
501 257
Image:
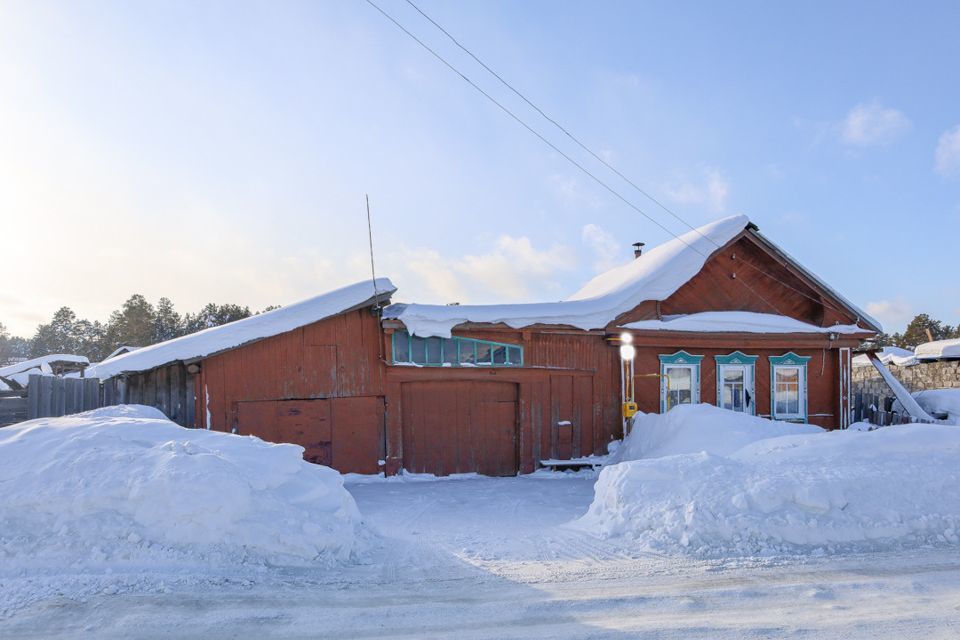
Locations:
735 387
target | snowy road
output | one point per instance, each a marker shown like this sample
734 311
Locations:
489 558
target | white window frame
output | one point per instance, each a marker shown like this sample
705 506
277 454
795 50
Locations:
680 360
748 363
789 361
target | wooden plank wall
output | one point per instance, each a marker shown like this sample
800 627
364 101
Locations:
567 377
822 389
744 277
169 389
337 357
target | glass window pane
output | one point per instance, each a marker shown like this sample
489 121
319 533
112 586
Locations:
401 347
514 356
680 378
467 355
418 350
788 374
483 352
433 351
733 375
499 354
450 351
787 391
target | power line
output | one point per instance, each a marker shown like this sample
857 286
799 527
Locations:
527 126
604 162
567 157
559 126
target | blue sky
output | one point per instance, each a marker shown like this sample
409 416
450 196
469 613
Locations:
220 151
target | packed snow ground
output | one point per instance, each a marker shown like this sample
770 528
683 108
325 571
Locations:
475 557
491 558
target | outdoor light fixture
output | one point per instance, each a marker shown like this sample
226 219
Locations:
627 353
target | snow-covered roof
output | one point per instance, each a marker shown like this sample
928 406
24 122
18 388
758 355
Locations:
234 334
939 349
36 363
120 351
888 355
738 322
656 275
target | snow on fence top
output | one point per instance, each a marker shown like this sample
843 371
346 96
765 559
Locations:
655 275
216 339
888 355
739 322
38 363
939 349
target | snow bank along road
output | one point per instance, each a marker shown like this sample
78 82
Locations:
490 558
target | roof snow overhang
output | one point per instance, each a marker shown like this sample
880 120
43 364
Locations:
216 340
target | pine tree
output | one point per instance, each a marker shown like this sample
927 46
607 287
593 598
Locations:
916 332
167 324
91 340
58 336
134 324
214 315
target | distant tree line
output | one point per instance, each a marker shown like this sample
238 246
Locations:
137 323
917 333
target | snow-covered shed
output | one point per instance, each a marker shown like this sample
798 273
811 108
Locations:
307 373
719 315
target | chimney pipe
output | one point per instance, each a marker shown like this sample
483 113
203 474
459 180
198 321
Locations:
638 249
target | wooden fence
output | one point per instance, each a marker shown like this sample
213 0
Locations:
13 406
50 396
877 409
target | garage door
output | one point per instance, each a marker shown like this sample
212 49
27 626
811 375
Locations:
343 433
460 427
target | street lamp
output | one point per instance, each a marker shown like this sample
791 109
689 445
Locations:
627 354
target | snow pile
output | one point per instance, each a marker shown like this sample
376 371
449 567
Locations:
834 491
699 427
738 322
656 275
937 402
125 487
939 349
263 325
888 355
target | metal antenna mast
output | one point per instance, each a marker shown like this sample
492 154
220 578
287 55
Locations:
373 271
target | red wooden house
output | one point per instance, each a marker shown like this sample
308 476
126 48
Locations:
718 315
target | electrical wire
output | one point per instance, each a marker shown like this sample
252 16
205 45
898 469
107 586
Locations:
576 140
599 158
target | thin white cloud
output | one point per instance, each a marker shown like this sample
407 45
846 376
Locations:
873 124
513 270
712 191
947 156
893 314
603 244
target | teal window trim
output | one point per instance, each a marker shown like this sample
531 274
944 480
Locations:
680 359
791 360
741 359
462 347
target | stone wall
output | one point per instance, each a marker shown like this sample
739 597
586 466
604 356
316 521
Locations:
940 374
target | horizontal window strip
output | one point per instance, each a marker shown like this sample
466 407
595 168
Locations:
454 352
